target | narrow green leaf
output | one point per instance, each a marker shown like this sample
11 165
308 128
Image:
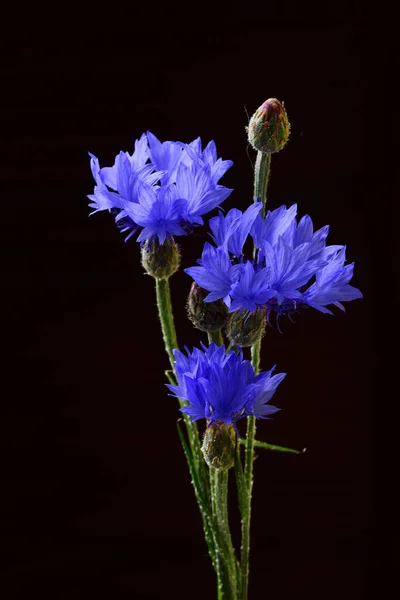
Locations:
170 376
273 447
192 466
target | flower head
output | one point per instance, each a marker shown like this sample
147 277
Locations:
158 212
292 267
222 387
231 231
163 189
269 127
274 224
215 273
195 157
102 198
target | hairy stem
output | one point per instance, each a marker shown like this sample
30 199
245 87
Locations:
262 172
261 178
166 317
227 578
216 337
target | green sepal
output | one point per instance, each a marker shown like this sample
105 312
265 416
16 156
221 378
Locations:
244 330
269 127
218 446
206 316
160 260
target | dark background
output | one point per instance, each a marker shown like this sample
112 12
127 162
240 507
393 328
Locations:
97 501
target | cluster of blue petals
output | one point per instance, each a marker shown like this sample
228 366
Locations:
293 266
222 387
162 189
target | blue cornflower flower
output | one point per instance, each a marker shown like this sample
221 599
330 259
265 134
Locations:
230 231
252 289
261 393
215 274
159 213
273 225
289 258
126 175
199 191
222 387
197 363
289 268
303 231
195 157
165 156
137 159
166 196
332 285
102 199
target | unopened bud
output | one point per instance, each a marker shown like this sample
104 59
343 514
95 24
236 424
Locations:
243 330
207 316
160 261
219 445
269 127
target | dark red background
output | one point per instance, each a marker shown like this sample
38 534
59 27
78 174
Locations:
96 492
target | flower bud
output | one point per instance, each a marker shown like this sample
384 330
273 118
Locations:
243 330
160 261
219 445
269 128
206 316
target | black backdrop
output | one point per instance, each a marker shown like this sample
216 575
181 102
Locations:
96 494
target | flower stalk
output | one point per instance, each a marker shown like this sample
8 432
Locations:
165 313
262 173
216 337
261 178
226 552
166 316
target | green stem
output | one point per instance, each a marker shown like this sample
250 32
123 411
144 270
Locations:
230 347
170 340
261 178
227 580
166 317
262 171
246 513
255 356
216 337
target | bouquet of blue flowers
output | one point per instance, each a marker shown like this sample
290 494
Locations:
261 265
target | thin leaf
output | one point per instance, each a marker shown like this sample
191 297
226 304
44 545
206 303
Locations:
170 376
273 447
240 483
